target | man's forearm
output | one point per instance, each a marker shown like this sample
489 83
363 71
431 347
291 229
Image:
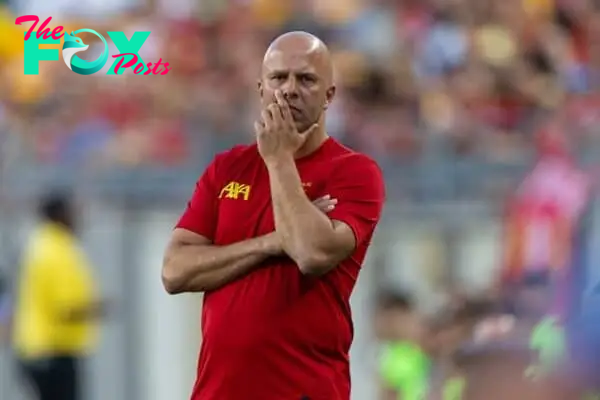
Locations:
199 268
213 279
304 231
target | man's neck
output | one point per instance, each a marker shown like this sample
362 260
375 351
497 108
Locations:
316 139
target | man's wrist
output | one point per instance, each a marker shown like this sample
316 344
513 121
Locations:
271 244
275 162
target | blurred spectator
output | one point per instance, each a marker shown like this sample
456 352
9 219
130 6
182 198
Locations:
57 307
477 73
404 366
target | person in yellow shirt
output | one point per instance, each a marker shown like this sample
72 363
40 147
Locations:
57 307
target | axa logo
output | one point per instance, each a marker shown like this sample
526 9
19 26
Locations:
233 190
128 56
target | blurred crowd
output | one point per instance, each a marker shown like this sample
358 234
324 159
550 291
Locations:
476 77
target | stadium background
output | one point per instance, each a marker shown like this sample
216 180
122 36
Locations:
447 95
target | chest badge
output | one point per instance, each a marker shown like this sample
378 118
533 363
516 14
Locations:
235 190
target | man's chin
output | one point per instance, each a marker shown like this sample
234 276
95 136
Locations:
302 126
303 130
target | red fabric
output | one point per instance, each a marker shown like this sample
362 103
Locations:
277 334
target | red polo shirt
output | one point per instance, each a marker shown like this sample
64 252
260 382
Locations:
277 334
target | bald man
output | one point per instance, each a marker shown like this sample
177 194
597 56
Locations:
276 268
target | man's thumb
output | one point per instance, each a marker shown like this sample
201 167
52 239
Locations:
310 130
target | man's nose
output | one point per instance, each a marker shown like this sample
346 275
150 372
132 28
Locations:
290 88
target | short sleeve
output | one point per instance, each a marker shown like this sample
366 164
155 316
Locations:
200 215
360 192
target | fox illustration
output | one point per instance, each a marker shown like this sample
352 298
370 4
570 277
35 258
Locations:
71 46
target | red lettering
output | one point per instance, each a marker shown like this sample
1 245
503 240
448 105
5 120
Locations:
56 31
130 63
46 32
139 68
166 70
148 71
155 70
28 18
43 30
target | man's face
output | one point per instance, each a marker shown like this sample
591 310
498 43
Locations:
303 82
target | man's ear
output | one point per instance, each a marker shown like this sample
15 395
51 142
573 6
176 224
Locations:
260 88
329 95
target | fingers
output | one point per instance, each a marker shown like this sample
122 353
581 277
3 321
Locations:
271 117
266 119
278 115
283 106
325 203
275 113
258 128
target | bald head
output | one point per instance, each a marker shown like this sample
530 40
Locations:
298 65
301 44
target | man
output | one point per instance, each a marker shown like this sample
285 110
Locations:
277 272
57 306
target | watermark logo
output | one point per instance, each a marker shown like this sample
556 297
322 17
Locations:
128 56
73 45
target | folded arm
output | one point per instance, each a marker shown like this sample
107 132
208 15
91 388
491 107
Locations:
315 241
308 236
193 264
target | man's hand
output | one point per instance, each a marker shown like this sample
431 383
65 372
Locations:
325 204
272 241
276 133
